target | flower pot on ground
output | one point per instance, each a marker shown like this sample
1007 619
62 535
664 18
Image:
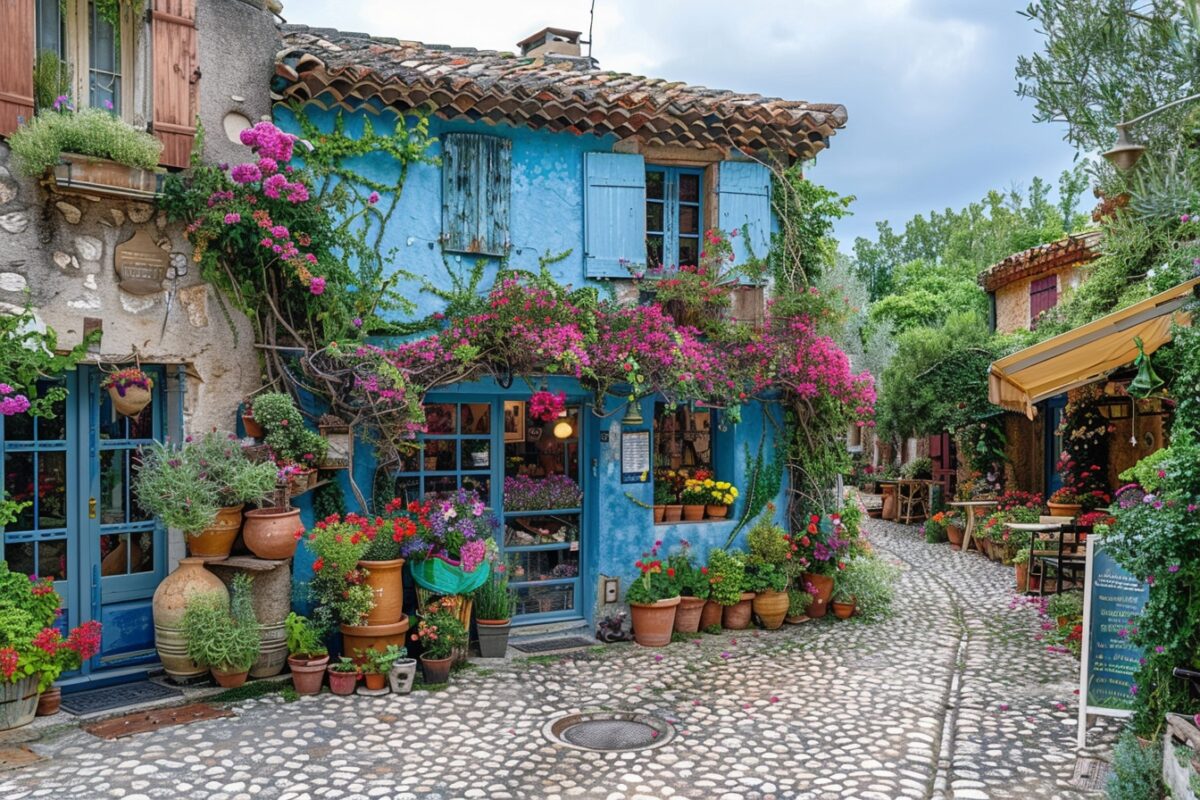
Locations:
843 610
692 583
130 390
737 616
49 701
770 606
494 603
727 582
653 597
865 588
820 587
766 576
688 613
356 638
343 676
18 702
710 615
377 665
436 670
798 601
375 681
229 679
271 533
955 534
170 602
307 655
224 638
1021 563
402 674
440 633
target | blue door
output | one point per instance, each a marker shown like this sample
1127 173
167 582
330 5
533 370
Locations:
84 526
1053 442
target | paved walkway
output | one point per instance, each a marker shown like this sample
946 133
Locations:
952 697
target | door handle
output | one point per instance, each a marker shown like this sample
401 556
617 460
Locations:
91 508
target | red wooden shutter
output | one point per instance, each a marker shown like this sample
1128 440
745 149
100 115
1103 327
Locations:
1043 296
173 32
16 63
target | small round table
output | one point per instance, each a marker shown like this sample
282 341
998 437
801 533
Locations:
970 506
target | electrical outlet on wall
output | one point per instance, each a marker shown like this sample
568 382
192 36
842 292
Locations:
612 588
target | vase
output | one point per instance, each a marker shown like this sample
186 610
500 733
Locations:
654 622
216 541
770 607
253 429
493 637
716 512
49 701
659 513
687 615
1064 509
18 702
436 670
387 586
308 673
229 679
401 677
955 534
816 609
843 610
824 587
711 614
132 402
737 616
342 683
270 533
693 513
271 597
356 638
189 580
672 513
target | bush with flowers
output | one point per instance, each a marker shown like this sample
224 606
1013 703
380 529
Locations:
285 433
546 406
822 546
935 528
690 579
726 576
338 584
124 379
1081 464
655 580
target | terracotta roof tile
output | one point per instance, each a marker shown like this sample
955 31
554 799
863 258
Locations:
1079 248
550 91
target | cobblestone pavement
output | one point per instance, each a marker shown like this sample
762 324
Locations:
952 697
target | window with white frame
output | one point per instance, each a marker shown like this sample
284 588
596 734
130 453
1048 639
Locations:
84 52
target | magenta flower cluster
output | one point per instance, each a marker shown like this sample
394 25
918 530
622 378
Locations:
12 402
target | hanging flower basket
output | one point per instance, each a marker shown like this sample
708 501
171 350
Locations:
130 390
441 577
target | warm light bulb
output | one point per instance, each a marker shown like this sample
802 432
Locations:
562 430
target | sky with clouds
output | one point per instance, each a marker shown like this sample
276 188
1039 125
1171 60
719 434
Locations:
934 121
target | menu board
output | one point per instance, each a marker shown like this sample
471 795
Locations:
635 456
1112 601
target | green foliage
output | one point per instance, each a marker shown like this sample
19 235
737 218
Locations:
935 530
37 145
690 579
798 602
29 354
762 576
766 476
235 478
172 486
870 583
329 498
924 293
380 661
494 599
26 608
285 431
220 636
918 469
803 247
1065 604
304 637
440 632
337 584
1136 770
768 543
727 576
51 79
652 585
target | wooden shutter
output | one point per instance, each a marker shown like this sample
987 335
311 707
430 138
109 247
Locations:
1043 296
476 185
744 203
16 63
176 75
614 214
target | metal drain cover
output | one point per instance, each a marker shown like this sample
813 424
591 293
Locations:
608 731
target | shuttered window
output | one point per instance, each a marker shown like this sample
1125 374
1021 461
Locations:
614 207
476 187
176 78
674 210
744 205
16 63
1043 296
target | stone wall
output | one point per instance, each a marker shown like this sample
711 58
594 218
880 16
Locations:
1012 300
1026 468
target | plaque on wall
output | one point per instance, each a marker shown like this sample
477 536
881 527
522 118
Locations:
141 264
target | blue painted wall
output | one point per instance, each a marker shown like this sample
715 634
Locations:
546 218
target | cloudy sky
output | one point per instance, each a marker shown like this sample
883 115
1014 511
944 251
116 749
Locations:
934 120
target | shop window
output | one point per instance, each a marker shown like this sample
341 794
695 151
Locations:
683 439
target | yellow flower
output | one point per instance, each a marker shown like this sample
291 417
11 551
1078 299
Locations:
733 492
708 482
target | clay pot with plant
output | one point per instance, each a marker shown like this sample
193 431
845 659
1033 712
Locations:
307 655
692 582
494 604
1021 563
766 572
440 633
727 579
377 665
844 597
653 598
694 498
224 639
237 481
798 601
343 676
664 497
172 485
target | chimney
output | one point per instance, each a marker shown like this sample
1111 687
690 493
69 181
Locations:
559 41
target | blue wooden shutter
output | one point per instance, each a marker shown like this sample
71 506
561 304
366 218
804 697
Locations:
476 184
744 202
614 208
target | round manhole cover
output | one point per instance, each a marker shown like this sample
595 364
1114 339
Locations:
608 731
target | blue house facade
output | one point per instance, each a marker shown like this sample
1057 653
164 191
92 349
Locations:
544 158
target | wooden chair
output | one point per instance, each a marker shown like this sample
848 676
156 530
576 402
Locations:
913 504
1064 554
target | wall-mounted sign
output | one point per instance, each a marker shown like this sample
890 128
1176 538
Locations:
635 456
141 264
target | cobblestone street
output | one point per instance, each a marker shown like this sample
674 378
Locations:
952 697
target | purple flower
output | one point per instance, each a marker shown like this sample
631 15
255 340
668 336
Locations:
6 389
317 285
245 173
358 323
373 198
231 219
1173 569
108 104
1158 648
14 404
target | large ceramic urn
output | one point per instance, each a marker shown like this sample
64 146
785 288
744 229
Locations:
271 597
190 580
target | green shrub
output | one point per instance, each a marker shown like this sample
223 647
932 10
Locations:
36 146
768 542
305 639
1136 771
219 636
174 488
727 575
236 478
1065 604
918 469
869 582
285 431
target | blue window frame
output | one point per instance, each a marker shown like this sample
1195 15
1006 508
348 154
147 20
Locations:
674 215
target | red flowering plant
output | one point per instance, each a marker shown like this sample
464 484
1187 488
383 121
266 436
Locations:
655 581
30 643
1085 433
546 406
822 546
691 580
337 587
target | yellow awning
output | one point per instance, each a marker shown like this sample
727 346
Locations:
1087 353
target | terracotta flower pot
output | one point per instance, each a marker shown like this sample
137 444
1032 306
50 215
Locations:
659 513
49 701
687 615
711 614
716 512
1064 509
822 583
229 679
372 637
955 534
375 681
342 683
1022 577
387 585
795 619
253 429
843 610
816 609
654 622
737 616
270 533
672 513
215 541
436 670
18 702
170 599
770 608
693 513
308 673
493 637
131 404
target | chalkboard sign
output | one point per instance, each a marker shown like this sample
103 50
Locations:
1112 600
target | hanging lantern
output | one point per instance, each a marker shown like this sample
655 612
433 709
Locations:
1147 381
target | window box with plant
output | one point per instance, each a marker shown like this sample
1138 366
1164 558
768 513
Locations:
224 638
440 634
653 597
307 654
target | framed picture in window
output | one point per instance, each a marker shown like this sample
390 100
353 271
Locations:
514 420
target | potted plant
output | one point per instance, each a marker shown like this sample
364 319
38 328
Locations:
1065 608
721 495
403 671
494 604
819 551
381 562
1021 561
693 585
173 486
343 676
663 497
223 638
1065 502
130 389
770 552
673 480
440 633
55 655
936 528
955 526
378 665
694 497
448 556
307 655
844 597
237 481
479 452
798 601
653 598
253 429
727 580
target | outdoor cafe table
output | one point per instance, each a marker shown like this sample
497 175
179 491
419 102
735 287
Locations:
970 506
1033 529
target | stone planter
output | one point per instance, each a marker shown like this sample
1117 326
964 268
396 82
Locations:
18 702
270 533
654 622
711 614
403 673
387 585
436 670
308 673
372 637
271 596
687 615
493 637
737 616
770 608
170 599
